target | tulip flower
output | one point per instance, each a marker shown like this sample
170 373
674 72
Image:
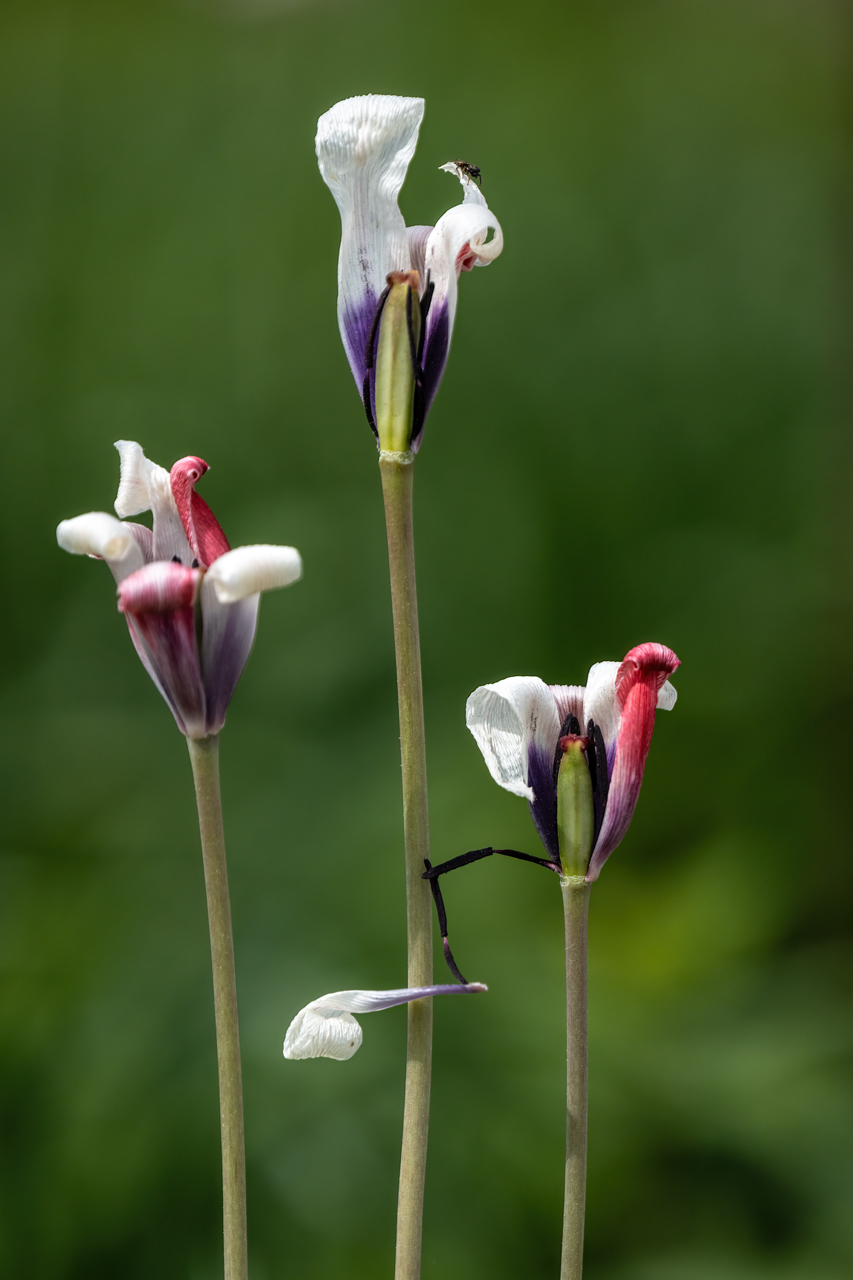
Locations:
325 1028
397 286
527 730
191 603
577 755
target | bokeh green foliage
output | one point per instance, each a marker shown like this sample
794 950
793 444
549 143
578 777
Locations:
642 434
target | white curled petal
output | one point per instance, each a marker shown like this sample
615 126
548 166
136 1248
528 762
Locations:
319 1035
471 193
418 238
601 705
99 534
667 696
364 146
510 720
247 570
326 1028
143 486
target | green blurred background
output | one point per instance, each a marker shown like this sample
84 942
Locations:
643 433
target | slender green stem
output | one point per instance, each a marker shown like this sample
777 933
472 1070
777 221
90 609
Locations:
576 909
204 754
397 492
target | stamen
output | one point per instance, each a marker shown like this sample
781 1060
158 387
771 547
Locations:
597 760
371 337
365 400
178 560
442 923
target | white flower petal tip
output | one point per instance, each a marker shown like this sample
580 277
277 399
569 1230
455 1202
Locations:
353 131
96 534
667 697
471 191
325 1028
247 570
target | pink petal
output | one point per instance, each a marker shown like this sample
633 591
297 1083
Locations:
161 587
203 530
638 682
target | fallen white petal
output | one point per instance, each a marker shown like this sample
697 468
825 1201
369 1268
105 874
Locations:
325 1028
247 570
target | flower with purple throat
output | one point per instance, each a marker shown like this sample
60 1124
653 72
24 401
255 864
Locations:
364 146
190 602
575 753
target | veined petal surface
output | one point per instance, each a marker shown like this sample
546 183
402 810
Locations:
326 1028
364 146
227 636
247 570
143 486
516 726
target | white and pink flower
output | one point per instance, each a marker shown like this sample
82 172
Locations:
364 146
191 603
519 724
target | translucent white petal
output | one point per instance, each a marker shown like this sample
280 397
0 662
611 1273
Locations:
99 534
601 705
246 570
364 146
667 697
319 1035
326 1028
508 719
143 486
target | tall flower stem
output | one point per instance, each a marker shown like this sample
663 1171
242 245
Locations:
576 910
397 492
204 754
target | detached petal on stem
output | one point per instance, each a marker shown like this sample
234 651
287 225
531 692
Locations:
326 1028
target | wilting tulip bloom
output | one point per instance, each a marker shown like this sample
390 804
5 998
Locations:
326 1028
576 754
190 602
396 285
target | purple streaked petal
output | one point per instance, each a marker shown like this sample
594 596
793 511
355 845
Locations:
418 237
158 588
364 146
569 700
326 1028
516 726
166 643
228 631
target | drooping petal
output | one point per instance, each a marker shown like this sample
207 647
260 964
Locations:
639 683
228 632
100 535
144 486
247 570
158 603
204 533
516 726
457 243
364 146
158 588
326 1028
